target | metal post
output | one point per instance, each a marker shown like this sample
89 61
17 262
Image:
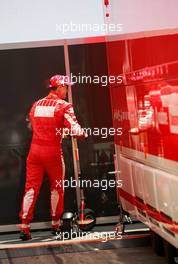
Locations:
74 140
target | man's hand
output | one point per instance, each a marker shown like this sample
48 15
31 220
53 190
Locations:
83 137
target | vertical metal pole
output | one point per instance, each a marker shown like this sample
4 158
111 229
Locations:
74 141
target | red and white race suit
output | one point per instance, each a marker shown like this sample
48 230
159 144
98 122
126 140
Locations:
49 117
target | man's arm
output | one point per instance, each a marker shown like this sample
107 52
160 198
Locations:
29 118
70 122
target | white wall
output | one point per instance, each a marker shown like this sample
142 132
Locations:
35 20
39 20
144 15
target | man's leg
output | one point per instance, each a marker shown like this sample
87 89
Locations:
56 173
34 177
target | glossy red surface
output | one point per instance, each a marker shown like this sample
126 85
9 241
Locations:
145 105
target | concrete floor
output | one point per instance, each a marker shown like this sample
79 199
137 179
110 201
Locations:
44 249
139 255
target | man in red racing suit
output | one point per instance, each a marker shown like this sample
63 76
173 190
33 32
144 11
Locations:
49 117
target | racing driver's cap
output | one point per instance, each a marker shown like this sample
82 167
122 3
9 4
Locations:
57 80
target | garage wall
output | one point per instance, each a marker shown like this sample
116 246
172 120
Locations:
22 21
143 15
26 21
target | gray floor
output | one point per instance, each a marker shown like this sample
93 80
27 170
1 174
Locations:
139 255
12 239
132 249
